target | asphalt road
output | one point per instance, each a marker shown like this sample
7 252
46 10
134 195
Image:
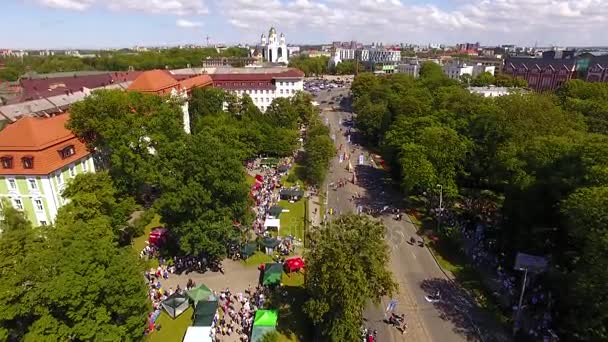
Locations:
454 317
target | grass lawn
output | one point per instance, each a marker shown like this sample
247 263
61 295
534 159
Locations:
172 330
293 324
140 242
257 258
250 179
292 223
296 172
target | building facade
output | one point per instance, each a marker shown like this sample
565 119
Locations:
274 49
411 69
38 158
263 85
542 74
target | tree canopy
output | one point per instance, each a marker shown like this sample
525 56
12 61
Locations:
345 269
541 155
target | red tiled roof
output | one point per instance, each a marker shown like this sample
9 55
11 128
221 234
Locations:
290 73
46 87
196 81
153 81
42 139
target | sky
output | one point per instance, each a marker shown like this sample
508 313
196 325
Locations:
40 24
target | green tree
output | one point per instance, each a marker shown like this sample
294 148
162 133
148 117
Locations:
345 270
92 195
203 190
205 101
586 295
363 83
319 152
125 129
483 80
282 113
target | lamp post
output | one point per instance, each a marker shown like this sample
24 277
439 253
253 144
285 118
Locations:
521 299
440 206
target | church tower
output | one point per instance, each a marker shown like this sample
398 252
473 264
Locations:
274 49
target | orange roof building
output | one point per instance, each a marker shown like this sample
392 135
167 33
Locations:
38 157
161 82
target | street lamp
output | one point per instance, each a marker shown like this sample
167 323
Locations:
440 206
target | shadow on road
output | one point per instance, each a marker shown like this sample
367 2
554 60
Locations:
455 306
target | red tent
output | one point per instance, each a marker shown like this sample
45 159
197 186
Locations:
157 236
259 178
294 264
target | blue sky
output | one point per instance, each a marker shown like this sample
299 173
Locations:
125 23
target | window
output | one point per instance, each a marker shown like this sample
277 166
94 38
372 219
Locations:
281 91
85 166
59 178
7 162
43 223
18 204
32 183
67 151
28 162
38 204
12 184
72 171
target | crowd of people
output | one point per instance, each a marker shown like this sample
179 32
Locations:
237 311
264 196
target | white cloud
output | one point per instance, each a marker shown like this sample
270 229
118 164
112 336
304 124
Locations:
489 21
76 5
173 7
187 23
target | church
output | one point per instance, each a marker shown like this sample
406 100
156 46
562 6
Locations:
274 50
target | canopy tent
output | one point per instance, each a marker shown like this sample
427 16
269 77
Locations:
249 249
200 293
266 318
204 313
272 224
275 211
270 242
175 304
269 161
198 334
294 264
256 186
257 333
272 274
291 194
158 236
259 178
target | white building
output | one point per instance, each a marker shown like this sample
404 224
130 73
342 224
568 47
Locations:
493 91
274 50
384 56
338 55
412 69
455 71
263 85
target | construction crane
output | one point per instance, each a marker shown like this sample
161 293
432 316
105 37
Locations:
207 38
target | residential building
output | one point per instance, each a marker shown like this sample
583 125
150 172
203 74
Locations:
384 56
263 85
274 50
38 158
541 73
457 70
339 54
412 68
228 61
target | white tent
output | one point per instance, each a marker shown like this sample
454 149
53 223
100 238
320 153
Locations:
272 223
198 334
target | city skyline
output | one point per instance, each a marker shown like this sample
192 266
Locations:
62 24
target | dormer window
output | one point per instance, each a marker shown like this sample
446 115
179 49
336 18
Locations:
28 162
67 151
7 162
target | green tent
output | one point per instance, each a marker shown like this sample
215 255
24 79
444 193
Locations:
249 249
269 161
204 313
270 242
272 274
266 318
275 211
200 293
175 304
